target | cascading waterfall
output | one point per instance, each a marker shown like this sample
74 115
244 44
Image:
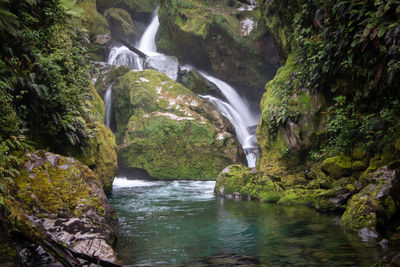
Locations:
236 110
147 43
121 55
107 104
238 113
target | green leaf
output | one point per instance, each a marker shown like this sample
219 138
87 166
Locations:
382 31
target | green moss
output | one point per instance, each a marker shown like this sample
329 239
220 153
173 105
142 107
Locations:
248 183
360 213
337 167
132 6
7 253
318 198
390 207
170 149
60 184
120 22
359 166
99 152
93 21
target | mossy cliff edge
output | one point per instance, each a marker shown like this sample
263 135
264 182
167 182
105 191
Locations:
328 134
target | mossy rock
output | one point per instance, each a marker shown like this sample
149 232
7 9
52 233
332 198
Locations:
319 199
56 197
134 7
209 35
193 80
337 167
92 20
376 204
121 24
169 131
100 150
359 166
249 184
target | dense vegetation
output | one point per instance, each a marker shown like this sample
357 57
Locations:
349 52
43 77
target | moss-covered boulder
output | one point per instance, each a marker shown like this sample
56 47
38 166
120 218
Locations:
169 131
337 167
238 181
56 199
228 40
121 24
376 204
98 29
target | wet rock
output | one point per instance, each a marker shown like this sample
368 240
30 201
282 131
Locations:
121 24
376 204
63 199
196 82
337 167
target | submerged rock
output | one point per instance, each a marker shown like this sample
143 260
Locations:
169 131
59 198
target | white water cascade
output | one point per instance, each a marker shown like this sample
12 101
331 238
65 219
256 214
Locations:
238 113
121 55
107 104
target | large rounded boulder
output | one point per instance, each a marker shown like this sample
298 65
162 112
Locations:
167 130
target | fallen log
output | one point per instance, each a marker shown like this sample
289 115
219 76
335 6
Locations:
133 49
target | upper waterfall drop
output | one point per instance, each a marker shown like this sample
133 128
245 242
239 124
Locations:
147 43
121 55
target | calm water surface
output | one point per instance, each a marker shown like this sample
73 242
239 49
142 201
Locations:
180 223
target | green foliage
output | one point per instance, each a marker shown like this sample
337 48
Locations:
349 52
44 74
352 39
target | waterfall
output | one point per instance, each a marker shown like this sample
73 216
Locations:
236 110
238 113
107 104
121 55
147 43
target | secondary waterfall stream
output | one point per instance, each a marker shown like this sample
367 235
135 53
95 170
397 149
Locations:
236 110
107 105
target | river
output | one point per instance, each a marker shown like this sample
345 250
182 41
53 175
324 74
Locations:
181 223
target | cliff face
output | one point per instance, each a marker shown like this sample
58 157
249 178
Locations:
328 135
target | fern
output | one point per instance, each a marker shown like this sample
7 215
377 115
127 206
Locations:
8 22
